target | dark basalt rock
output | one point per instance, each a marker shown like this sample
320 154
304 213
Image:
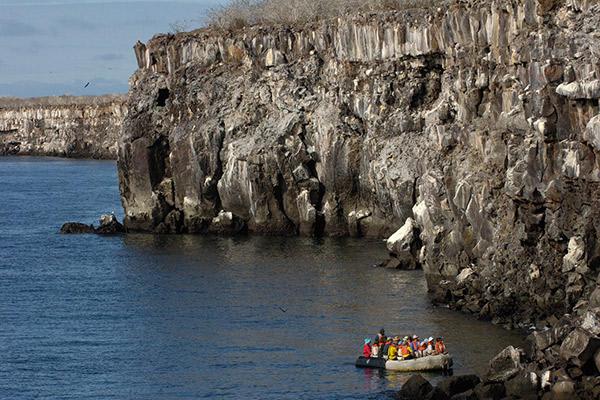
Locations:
415 388
458 384
490 391
76 228
468 395
109 225
525 385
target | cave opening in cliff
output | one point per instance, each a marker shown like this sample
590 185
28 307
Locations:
163 96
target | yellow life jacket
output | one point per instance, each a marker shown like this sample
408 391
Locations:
392 352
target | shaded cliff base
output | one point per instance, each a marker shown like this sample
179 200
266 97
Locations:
62 126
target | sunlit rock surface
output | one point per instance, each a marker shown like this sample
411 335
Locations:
478 119
82 127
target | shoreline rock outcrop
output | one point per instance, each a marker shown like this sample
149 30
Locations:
561 362
478 119
75 127
108 225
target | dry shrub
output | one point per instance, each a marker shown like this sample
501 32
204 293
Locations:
240 13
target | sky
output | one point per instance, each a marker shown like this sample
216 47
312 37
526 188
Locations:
54 47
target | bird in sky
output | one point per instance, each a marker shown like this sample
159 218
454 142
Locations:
86 85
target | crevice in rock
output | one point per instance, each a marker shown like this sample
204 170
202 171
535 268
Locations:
162 97
278 192
158 154
415 190
311 165
218 174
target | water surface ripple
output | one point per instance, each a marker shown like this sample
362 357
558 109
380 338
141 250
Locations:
180 317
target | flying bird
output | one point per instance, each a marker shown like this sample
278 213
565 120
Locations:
282 309
86 85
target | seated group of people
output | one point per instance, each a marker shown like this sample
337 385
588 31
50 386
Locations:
402 349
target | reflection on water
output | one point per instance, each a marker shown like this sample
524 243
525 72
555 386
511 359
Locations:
144 316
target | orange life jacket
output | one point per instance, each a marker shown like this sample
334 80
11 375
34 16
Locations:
405 350
440 347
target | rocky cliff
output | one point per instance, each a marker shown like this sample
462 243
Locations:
479 120
83 127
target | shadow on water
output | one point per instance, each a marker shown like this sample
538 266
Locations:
193 316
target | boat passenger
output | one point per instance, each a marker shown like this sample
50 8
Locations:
440 347
381 346
380 335
422 348
386 347
405 350
393 350
367 348
414 345
375 350
430 347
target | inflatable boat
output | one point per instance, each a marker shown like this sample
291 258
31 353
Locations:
429 363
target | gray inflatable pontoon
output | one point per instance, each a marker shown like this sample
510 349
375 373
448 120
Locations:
429 363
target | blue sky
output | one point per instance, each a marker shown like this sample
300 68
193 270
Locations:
54 47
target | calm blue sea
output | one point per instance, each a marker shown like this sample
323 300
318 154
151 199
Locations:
182 317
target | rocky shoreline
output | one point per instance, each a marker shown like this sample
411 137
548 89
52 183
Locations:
560 361
66 126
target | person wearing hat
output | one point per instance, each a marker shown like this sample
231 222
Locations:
429 350
367 348
414 345
440 347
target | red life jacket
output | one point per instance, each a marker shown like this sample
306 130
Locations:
367 351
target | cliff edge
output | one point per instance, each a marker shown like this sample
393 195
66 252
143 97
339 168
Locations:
65 126
478 119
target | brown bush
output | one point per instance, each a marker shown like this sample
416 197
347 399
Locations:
240 13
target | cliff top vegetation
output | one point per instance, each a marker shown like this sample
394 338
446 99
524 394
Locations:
13 102
241 13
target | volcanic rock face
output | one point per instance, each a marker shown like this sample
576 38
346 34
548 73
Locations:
82 127
479 120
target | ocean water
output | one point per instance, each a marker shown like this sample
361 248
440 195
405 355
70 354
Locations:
181 317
